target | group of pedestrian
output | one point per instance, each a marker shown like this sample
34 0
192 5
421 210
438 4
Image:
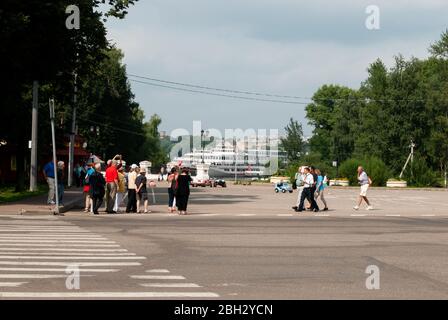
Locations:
179 190
311 184
112 186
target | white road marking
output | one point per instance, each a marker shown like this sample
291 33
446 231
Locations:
52 231
358 215
106 295
158 271
31 276
146 277
58 241
58 269
63 249
321 215
73 257
44 237
208 215
393 215
170 285
285 215
246 214
80 264
428 215
59 245
65 253
11 284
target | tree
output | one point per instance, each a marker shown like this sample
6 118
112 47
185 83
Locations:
152 149
36 45
293 143
333 114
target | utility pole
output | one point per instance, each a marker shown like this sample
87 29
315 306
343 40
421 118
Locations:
34 126
72 137
53 138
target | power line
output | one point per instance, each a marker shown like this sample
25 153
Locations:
255 93
218 89
219 94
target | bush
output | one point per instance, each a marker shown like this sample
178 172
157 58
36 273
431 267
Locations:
375 168
418 174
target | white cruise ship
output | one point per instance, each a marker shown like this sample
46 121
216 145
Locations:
224 161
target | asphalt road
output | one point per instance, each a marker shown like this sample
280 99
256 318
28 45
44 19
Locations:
230 251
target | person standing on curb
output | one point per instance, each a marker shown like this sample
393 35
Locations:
49 177
365 183
111 186
121 190
97 184
172 177
141 190
183 191
132 196
61 181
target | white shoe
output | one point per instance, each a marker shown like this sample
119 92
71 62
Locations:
356 207
369 208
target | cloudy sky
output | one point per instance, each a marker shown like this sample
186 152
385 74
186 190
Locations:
284 47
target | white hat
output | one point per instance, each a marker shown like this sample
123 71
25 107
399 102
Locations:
133 166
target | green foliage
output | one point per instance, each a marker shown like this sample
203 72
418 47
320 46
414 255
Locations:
418 174
293 142
375 168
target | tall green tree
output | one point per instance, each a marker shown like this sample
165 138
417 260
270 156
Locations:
293 142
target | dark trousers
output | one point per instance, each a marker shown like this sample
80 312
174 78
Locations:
182 202
170 197
309 195
97 202
132 201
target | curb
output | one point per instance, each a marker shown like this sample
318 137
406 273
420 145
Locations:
67 207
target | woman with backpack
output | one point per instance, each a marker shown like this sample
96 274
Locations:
172 180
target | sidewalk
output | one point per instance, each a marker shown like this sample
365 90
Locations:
73 197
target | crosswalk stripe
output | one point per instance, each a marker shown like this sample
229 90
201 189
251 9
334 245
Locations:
73 257
170 285
57 241
58 269
105 295
80 264
59 245
158 270
31 276
44 237
285 215
2 253
146 277
246 214
11 284
63 249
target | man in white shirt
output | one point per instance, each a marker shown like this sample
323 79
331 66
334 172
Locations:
307 192
365 182
132 196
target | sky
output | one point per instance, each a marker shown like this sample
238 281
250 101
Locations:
281 47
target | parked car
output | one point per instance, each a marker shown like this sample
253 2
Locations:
219 182
282 187
201 183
